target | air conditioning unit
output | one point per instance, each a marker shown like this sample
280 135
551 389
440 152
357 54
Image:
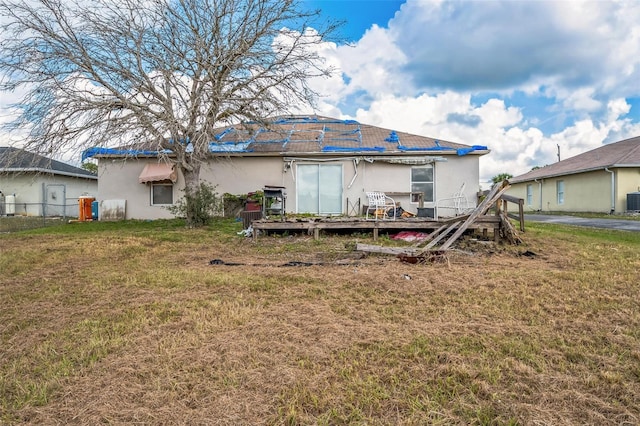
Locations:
633 202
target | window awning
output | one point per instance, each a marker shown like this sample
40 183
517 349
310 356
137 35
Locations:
155 172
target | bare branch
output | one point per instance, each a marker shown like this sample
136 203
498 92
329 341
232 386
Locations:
124 71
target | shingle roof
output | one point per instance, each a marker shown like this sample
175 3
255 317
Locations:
311 135
625 153
18 160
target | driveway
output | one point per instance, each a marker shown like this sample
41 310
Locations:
619 224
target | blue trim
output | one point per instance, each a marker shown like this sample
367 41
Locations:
349 149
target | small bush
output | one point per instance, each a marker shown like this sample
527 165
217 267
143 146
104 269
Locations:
200 207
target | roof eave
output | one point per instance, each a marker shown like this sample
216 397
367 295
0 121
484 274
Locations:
573 172
47 171
342 153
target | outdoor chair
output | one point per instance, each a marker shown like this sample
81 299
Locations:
457 203
378 206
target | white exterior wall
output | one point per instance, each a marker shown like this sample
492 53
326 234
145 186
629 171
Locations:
31 190
241 175
118 180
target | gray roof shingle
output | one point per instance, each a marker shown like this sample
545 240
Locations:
625 153
18 160
311 134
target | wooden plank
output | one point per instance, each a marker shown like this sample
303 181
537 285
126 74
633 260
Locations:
486 204
511 198
430 236
440 237
520 203
384 250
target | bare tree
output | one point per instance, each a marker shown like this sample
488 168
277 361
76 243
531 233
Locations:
164 73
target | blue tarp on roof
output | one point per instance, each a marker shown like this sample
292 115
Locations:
229 147
350 149
393 137
126 152
244 139
465 151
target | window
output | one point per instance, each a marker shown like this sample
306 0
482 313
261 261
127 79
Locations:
529 195
422 181
560 191
161 194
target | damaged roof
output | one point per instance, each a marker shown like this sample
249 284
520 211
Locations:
315 135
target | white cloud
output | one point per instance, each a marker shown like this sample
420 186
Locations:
493 45
424 74
581 100
373 64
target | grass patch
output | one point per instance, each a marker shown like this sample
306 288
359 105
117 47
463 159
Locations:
128 322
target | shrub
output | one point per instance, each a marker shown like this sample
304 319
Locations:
199 207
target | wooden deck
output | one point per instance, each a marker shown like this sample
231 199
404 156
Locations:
313 226
441 231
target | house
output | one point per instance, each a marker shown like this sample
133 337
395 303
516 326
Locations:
601 180
34 185
324 165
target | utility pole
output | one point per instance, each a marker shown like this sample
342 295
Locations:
558 145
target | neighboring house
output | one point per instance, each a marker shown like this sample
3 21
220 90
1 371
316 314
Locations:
325 166
600 180
39 186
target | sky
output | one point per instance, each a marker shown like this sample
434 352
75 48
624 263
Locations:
534 81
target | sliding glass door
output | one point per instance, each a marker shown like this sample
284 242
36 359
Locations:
319 188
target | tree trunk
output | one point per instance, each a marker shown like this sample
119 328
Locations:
191 185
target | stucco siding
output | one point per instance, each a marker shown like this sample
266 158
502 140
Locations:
118 179
583 192
28 191
628 182
60 193
244 175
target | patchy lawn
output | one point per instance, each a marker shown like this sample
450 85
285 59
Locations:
129 323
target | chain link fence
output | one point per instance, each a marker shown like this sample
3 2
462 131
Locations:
24 216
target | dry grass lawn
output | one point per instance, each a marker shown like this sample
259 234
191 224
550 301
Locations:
131 324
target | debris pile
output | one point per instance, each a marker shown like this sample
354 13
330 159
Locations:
434 245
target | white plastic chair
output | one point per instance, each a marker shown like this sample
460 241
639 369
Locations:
379 204
458 202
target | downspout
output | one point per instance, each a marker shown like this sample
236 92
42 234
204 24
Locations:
613 190
355 175
293 171
539 190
